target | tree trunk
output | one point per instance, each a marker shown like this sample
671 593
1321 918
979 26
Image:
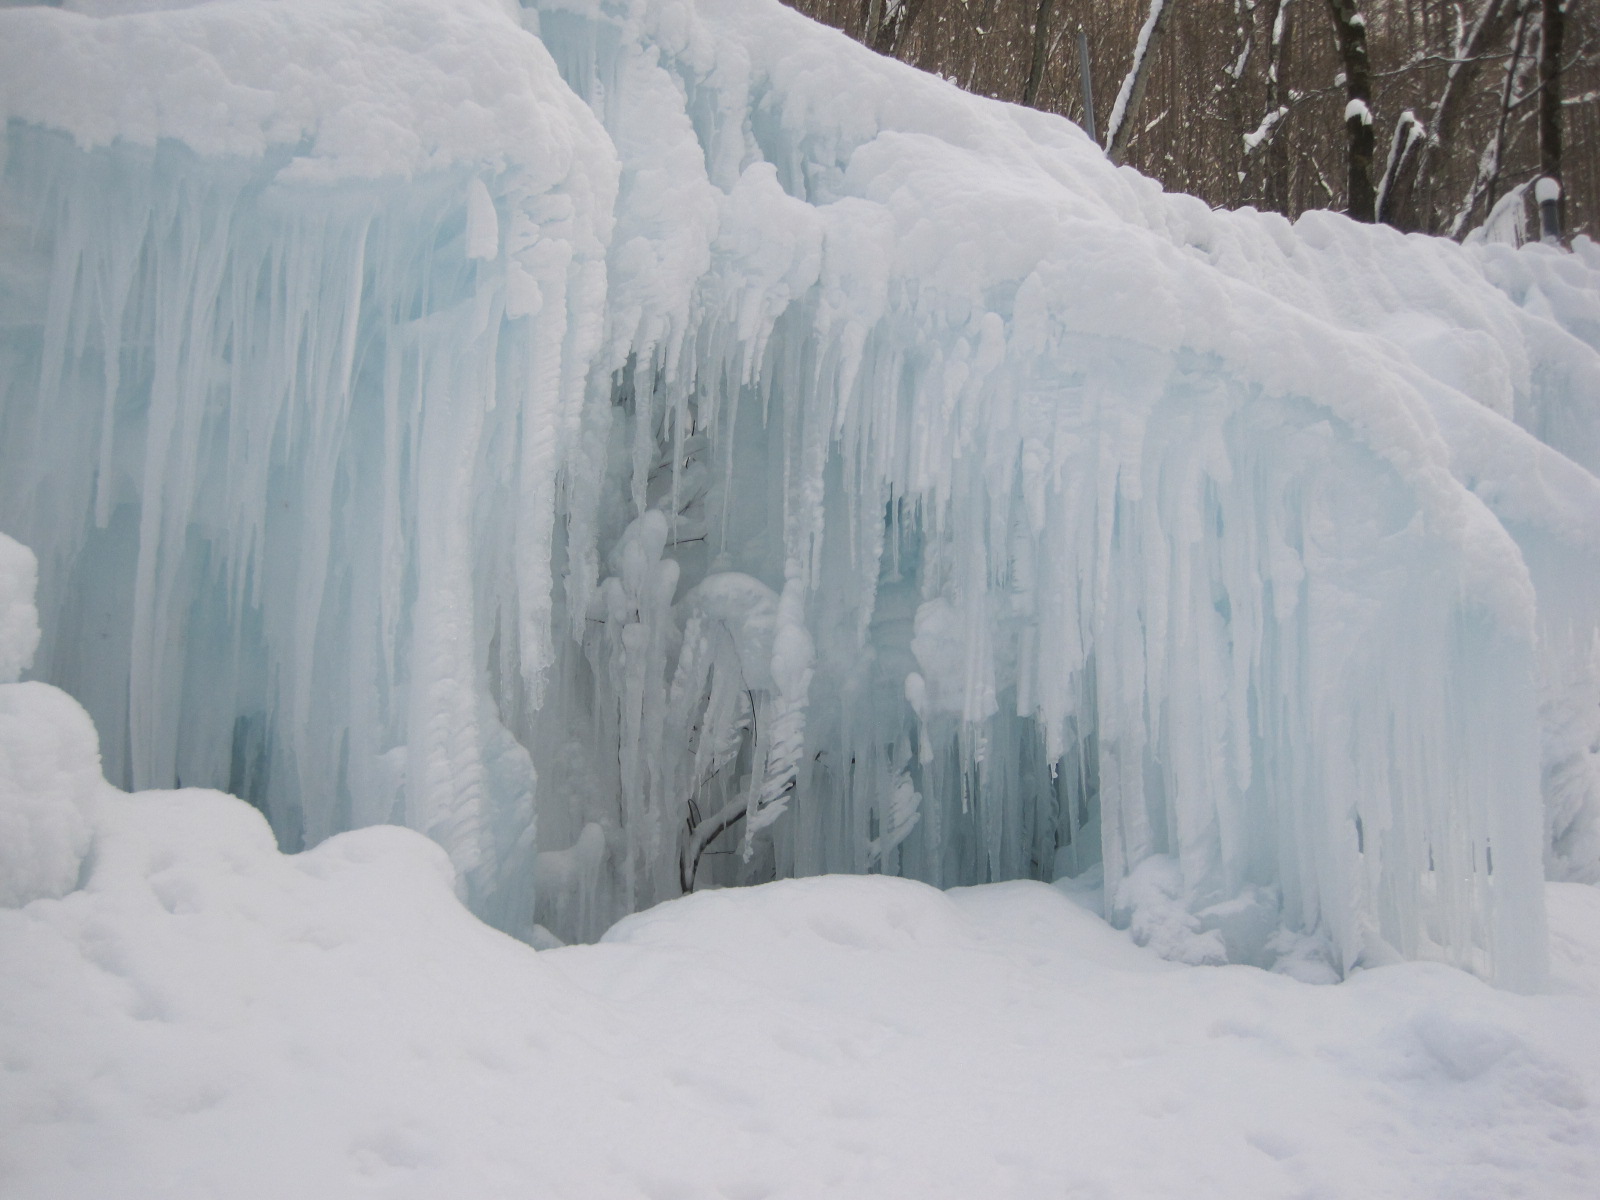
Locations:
871 18
1120 125
1405 198
1552 22
1351 28
1086 80
1275 192
1041 49
1397 186
1486 182
893 23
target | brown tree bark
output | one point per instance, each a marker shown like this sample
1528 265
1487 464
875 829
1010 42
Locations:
1275 193
1406 197
1041 49
1351 29
1121 124
1552 19
885 29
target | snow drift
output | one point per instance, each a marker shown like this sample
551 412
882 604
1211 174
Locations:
658 444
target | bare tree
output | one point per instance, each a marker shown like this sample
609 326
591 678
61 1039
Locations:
1041 49
1351 29
1253 102
1415 147
1552 28
1120 124
1265 136
1487 178
888 21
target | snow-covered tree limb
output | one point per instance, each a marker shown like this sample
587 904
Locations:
1119 126
1412 159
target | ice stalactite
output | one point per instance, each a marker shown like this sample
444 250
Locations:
311 498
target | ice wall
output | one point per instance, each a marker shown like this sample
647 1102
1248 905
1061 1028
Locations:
659 445
290 366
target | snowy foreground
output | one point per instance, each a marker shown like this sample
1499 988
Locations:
209 1018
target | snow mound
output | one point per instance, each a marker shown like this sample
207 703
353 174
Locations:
795 919
206 1016
49 755
19 620
49 779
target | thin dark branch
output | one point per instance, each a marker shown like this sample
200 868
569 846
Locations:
1439 60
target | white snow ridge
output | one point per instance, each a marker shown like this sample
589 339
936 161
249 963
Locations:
647 446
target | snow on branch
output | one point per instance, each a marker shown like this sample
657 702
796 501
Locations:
1119 127
1263 131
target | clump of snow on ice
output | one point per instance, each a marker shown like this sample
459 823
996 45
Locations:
49 755
49 776
1149 901
19 619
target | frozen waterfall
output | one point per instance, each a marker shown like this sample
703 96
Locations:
654 444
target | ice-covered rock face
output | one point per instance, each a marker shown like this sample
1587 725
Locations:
649 446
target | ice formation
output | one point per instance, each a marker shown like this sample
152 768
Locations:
651 444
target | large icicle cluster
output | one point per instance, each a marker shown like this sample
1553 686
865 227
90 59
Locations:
656 445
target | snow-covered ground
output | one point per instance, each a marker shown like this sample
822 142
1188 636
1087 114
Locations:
206 1017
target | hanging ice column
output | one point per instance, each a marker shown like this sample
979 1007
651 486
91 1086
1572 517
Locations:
287 437
1106 552
857 477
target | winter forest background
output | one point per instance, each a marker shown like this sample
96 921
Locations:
1245 101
